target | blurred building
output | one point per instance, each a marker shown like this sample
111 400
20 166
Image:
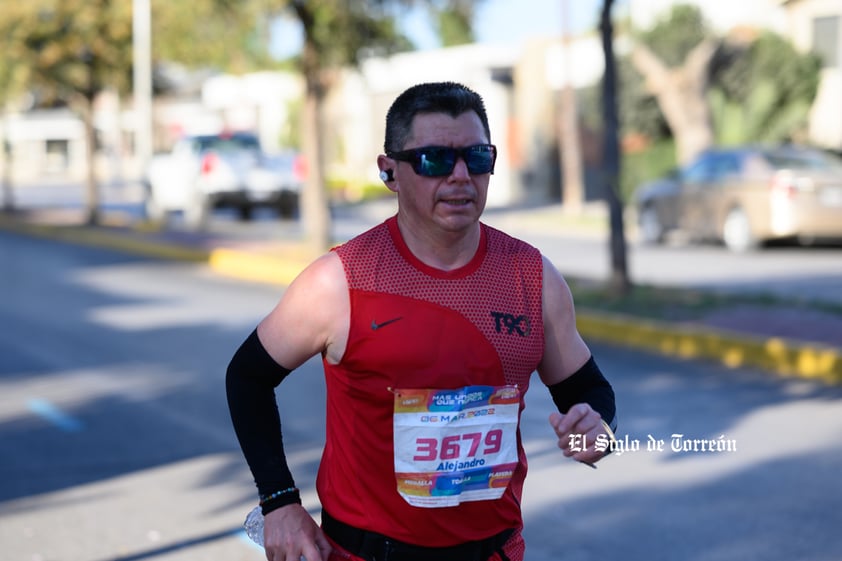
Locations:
49 145
522 88
546 68
816 25
46 142
356 109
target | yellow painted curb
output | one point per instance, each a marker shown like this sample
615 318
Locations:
775 354
109 239
786 357
136 246
255 267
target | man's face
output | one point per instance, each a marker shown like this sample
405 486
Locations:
453 202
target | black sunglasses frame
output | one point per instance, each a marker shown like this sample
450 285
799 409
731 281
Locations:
419 158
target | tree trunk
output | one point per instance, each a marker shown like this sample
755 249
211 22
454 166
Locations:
682 96
572 185
91 188
315 203
8 187
619 282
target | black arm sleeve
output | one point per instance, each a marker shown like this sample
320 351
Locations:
587 385
250 383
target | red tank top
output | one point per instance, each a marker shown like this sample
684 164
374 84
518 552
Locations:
413 326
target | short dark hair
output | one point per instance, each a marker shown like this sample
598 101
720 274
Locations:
433 97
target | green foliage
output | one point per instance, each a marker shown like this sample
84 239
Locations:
674 35
347 190
762 92
642 166
13 74
672 38
639 110
452 19
338 32
290 135
66 49
684 304
226 35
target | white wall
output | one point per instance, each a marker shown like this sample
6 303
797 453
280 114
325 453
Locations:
825 128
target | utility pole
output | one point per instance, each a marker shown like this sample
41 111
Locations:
570 151
142 80
611 165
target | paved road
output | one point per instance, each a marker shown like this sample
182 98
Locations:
581 251
792 272
116 443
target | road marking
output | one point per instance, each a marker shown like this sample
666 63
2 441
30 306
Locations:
53 414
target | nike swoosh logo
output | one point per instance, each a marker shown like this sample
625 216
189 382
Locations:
375 326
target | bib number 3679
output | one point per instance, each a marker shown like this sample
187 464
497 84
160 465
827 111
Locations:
458 446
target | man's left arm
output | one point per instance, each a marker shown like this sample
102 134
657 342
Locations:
584 398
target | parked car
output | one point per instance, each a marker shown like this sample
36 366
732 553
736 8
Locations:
746 196
204 172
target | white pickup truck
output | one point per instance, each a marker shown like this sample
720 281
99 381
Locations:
204 172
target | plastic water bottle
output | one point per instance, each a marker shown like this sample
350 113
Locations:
254 526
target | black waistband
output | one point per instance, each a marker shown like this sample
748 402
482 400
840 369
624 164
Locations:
377 547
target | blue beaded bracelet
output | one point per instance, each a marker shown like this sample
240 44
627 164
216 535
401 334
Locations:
276 494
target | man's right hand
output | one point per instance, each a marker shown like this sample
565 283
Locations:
291 534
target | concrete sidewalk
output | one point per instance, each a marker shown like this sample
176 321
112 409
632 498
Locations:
740 338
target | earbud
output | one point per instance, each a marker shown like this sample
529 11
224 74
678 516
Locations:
386 175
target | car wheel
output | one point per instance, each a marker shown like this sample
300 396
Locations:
288 205
244 212
736 232
651 229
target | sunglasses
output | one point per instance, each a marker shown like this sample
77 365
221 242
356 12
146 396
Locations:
438 161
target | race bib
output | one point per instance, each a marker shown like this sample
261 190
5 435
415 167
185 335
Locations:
455 445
